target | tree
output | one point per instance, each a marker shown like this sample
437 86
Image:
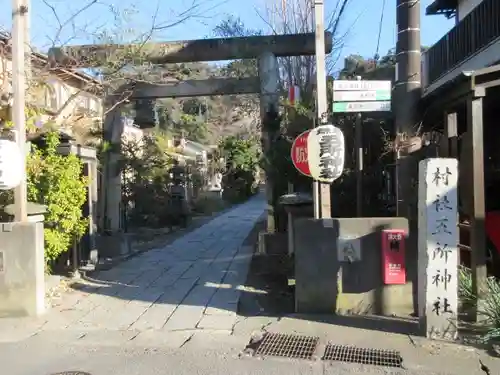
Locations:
242 161
55 180
127 66
146 165
290 17
383 68
193 127
293 16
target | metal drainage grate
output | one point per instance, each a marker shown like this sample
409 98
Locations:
71 373
378 357
290 346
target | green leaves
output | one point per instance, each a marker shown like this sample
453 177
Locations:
242 154
488 307
56 181
242 161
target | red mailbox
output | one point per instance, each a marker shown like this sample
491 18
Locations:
393 256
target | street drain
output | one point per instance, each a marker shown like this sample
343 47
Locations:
289 346
378 357
71 373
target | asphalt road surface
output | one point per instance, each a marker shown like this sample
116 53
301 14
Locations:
210 355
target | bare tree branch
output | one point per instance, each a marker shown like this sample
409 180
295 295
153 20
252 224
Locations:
129 67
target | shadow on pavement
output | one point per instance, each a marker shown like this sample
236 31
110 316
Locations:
202 281
193 283
270 274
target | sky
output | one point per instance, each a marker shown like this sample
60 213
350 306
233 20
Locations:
135 16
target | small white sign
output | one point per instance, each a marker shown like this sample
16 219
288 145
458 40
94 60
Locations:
384 106
437 244
349 249
342 85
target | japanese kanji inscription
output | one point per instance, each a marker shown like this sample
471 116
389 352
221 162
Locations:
438 254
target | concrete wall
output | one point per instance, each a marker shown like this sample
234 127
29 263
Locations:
325 285
22 269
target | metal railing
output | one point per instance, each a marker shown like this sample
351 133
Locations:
474 32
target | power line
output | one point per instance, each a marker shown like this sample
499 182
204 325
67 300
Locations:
380 30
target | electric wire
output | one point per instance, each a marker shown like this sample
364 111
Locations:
380 30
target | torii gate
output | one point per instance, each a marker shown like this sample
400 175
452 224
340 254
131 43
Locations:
265 48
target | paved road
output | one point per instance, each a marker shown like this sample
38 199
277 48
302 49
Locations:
204 354
113 360
193 283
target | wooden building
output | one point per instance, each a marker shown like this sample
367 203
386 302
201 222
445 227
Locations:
460 98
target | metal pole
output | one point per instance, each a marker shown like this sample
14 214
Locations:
322 107
359 161
359 165
290 226
20 43
406 95
315 184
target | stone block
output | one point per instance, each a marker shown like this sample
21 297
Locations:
218 322
185 317
22 269
272 243
199 296
438 236
227 309
154 317
115 245
323 284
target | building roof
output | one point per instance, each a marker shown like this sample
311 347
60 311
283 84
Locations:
447 8
42 60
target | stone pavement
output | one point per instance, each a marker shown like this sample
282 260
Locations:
194 283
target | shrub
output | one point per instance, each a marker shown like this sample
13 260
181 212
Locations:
56 181
488 308
207 205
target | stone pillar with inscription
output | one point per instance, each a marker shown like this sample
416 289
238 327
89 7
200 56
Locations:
437 247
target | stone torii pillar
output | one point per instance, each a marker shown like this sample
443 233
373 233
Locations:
269 105
111 184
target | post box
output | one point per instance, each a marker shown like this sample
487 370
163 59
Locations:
393 256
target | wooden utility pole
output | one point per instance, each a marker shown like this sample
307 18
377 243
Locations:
406 96
407 92
21 53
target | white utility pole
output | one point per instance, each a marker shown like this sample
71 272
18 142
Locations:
322 207
20 45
